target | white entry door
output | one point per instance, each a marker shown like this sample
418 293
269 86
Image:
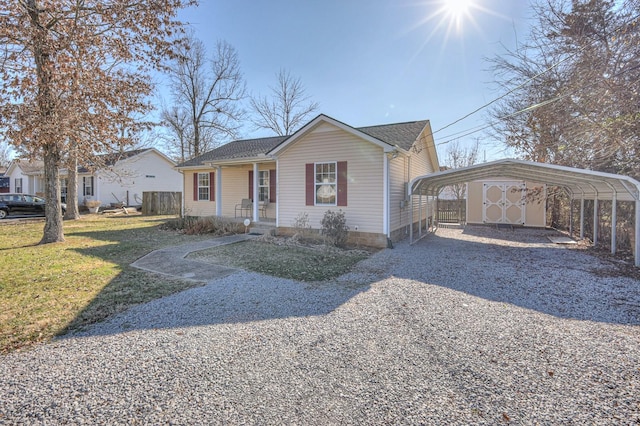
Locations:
504 202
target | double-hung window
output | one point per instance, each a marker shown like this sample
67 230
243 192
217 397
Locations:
203 187
87 184
18 185
325 184
263 185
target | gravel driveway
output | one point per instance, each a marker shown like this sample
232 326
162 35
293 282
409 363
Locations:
465 327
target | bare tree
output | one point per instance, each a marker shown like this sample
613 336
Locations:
574 86
287 109
206 97
180 136
458 156
46 100
5 155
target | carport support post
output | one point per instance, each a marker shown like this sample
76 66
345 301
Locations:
582 218
411 219
419 216
571 217
595 221
637 226
614 222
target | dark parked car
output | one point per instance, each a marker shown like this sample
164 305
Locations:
22 205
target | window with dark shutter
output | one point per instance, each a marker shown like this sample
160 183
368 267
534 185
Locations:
326 184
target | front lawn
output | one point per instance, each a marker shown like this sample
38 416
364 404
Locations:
282 257
48 289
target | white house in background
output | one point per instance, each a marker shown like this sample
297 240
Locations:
119 178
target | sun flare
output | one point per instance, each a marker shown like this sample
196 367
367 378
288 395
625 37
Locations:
456 12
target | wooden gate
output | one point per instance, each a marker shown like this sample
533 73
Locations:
452 211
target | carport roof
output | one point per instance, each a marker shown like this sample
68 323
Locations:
581 183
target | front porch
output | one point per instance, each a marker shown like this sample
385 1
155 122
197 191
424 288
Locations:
229 191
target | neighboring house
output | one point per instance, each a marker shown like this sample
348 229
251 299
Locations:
26 176
4 181
117 178
326 165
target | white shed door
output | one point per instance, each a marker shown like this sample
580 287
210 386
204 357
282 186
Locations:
504 202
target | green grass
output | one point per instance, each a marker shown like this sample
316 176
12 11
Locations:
49 289
310 263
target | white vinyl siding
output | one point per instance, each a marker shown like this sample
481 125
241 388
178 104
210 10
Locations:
326 144
401 170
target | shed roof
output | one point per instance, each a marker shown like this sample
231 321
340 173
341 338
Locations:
580 183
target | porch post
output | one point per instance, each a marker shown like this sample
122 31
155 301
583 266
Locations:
218 191
256 211
595 221
614 222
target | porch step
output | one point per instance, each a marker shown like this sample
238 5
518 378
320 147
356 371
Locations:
262 228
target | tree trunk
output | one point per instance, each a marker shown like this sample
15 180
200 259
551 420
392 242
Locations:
53 219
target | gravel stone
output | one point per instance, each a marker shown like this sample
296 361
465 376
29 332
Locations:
474 326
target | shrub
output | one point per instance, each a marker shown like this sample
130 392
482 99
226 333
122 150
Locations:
334 228
301 225
192 225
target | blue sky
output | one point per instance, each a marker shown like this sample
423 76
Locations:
370 62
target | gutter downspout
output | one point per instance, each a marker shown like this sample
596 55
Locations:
385 196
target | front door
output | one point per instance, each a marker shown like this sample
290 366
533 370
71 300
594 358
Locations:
504 202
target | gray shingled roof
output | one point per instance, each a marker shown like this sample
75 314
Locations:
400 134
247 148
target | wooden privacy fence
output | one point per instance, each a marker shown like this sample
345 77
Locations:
157 203
452 211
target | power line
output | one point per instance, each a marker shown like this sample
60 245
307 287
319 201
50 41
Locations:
619 28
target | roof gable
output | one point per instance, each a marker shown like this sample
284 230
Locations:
389 137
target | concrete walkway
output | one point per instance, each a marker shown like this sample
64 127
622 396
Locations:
172 260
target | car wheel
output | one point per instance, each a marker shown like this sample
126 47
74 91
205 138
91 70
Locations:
3 214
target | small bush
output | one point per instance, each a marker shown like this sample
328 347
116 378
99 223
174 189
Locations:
334 228
301 225
192 225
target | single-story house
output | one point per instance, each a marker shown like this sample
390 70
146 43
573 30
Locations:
326 165
117 178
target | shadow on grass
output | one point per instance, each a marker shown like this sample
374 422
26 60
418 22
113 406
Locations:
527 272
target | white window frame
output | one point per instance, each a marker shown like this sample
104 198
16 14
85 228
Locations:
263 185
91 191
18 186
319 185
204 190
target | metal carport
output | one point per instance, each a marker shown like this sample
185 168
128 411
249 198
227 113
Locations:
580 184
